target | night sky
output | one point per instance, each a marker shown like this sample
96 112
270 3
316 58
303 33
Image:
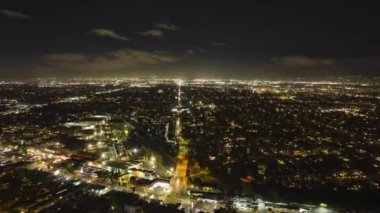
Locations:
189 39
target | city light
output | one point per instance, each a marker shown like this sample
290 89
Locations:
238 136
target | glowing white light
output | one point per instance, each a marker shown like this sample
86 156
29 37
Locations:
57 172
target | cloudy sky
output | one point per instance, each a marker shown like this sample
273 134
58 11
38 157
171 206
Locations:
188 39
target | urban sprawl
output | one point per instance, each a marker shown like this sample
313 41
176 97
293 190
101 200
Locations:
168 145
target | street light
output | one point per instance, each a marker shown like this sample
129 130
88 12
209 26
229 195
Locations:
152 159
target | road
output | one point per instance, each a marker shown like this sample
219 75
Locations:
179 180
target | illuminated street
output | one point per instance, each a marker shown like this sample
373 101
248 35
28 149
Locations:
179 181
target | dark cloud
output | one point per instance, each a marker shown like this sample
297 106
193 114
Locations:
303 62
119 62
152 33
218 43
102 32
166 26
14 14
